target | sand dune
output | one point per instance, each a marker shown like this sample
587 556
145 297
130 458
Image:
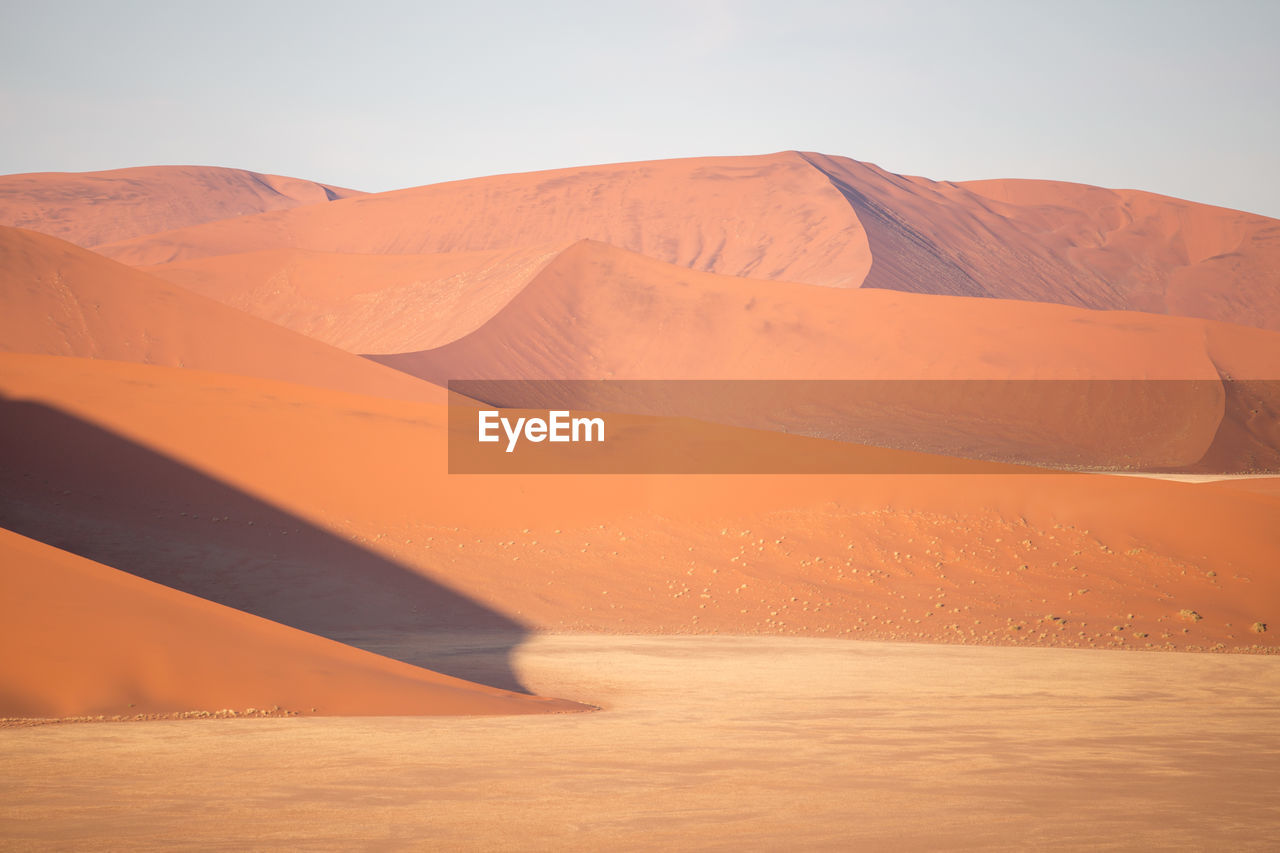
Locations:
597 312
813 219
59 299
81 638
1062 560
89 208
762 217
273 511
365 303
1066 243
1168 255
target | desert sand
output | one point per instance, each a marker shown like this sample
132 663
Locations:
366 303
767 217
707 743
225 491
811 219
85 639
59 299
143 462
90 208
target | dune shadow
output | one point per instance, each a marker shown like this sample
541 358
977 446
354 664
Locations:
76 486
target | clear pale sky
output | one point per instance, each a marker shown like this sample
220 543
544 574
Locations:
1177 98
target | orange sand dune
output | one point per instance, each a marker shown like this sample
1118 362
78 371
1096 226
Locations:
763 217
597 312
1169 255
59 299
1063 560
81 638
814 219
89 208
600 312
365 303
1068 243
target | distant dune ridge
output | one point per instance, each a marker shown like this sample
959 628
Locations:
813 219
1050 241
227 429
90 208
59 299
366 303
763 217
719 327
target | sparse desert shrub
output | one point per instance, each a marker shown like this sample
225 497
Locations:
1190 614
1258 627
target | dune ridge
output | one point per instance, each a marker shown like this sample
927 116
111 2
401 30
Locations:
598 312
1059 242
365 303
59 299
810 218
762 217
91 208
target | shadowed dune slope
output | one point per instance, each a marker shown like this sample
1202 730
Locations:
152 481
365 303
81 638
59 299
763 217
89 208
1059 242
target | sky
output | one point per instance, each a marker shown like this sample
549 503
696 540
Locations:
1176 98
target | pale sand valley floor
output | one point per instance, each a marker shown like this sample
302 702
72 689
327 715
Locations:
702 742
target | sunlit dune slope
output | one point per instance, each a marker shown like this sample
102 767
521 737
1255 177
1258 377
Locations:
1163 254
814 219
59 299
88 208
365 303
81 638
1064 560
598 312
764 217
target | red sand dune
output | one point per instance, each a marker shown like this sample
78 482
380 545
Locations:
782 266
365 303
1170 256
59 299
600 312
1064 560
81 638
89 208
1068 243
762 217
597 312
814 219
